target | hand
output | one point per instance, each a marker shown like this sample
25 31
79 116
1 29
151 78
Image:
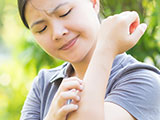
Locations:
120 32
68 89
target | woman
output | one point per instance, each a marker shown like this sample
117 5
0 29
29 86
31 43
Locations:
95 83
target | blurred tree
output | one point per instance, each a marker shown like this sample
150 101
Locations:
1 16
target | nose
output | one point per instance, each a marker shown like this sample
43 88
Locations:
58 30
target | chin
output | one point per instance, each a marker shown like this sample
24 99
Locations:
79 55
76 60
79 58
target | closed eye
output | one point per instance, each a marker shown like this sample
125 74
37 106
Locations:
42 30
66 13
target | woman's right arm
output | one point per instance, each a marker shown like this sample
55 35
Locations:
68 90
59 107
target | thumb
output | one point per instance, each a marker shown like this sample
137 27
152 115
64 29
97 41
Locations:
137 34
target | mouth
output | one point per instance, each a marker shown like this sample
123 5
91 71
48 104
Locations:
69 44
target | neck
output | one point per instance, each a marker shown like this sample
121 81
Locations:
81 67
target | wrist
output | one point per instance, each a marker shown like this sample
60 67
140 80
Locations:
104 49
104 52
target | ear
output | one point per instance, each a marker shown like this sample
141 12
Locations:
96 5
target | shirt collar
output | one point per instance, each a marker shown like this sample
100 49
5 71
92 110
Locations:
62 72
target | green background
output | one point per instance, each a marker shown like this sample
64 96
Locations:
21 58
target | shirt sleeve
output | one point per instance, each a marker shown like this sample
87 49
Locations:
138 92
31 108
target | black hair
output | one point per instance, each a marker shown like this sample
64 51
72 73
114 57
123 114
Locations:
21 8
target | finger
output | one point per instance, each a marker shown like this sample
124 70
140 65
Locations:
71 85
125 13
137 34
69 95
73 79
74 101
132 17
133 26
63 111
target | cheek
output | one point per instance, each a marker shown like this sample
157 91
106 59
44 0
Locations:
84 27
45 43
84 21
40 41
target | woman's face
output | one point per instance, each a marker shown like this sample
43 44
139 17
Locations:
65 29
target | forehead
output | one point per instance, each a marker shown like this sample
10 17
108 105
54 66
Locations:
35 8
46 4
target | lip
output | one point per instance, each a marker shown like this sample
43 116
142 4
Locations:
69 44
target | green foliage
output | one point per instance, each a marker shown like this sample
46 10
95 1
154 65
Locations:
21 58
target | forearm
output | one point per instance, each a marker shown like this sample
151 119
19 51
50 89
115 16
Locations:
91 106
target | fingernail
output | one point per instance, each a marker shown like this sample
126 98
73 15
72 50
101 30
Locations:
81 81
76 106
78 98
81 87
74 90
144 26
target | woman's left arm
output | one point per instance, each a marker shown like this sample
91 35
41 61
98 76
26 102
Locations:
115 112
113 39
92 105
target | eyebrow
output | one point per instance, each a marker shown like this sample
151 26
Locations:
37 22
50 12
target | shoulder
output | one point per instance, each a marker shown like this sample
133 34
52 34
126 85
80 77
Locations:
130 69
41 91
45 77
135 87
141 72
140 77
